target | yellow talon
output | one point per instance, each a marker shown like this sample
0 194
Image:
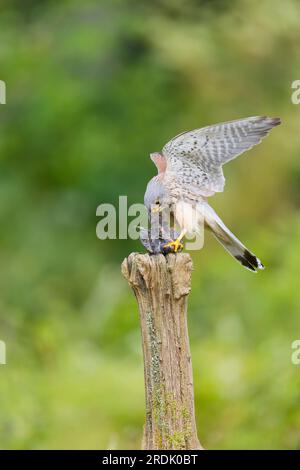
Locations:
175 244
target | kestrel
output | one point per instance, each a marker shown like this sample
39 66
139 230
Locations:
190 170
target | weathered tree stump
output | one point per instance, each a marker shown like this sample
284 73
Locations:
161 285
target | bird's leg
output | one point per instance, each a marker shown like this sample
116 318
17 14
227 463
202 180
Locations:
176 244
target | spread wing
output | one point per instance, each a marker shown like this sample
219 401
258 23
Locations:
197 157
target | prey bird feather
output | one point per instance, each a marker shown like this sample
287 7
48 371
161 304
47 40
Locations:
190 170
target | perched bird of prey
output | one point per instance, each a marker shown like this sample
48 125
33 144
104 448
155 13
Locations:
190 170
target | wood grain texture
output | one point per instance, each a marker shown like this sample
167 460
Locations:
161 285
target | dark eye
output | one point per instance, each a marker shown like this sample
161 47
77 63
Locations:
157 203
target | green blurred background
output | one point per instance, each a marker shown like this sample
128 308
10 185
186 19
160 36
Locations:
92 88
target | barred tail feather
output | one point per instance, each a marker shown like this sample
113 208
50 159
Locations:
230 242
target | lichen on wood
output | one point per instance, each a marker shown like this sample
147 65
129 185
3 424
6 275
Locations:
161 285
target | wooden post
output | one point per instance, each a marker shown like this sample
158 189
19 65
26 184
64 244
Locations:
161 285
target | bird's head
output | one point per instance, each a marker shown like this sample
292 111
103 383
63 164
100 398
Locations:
155 196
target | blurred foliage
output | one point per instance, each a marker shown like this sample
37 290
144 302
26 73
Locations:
92 88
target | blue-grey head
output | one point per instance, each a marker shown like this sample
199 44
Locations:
155 195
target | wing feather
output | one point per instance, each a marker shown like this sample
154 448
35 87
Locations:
197 156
